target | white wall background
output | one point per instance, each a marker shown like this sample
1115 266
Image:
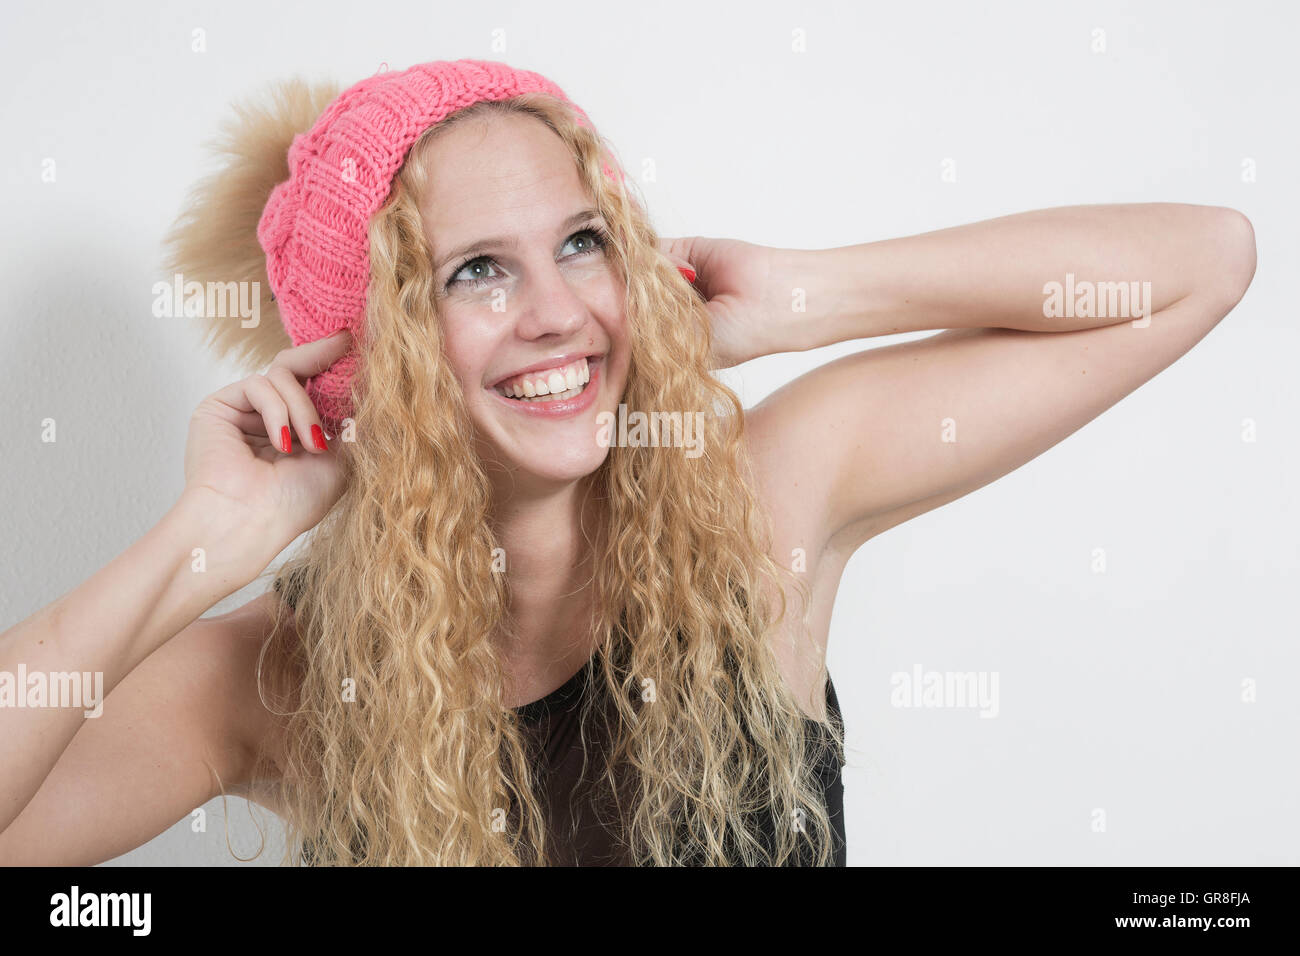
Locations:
1119 691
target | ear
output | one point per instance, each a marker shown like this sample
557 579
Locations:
214 239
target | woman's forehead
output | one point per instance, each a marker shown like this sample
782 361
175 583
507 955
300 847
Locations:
510 175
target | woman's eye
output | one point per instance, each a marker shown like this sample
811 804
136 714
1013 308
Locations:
477 268
590 240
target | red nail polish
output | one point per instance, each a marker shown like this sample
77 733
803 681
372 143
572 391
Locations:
318 437
687 272
286 442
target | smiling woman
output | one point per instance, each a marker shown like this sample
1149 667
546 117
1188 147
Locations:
508 639
488 555
449 469
539 306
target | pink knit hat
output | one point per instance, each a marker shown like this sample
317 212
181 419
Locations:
314 228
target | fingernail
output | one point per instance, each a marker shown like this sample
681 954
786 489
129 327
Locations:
687 272
286 442
318 437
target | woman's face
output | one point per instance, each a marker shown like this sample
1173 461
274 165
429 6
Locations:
529 303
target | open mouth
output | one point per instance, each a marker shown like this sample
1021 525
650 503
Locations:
560 384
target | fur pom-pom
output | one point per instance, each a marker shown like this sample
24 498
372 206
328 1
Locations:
214 239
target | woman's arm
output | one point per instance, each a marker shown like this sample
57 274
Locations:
132 761
174 713
878 437
1010 272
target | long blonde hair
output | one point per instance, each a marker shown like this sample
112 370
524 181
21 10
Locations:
420 761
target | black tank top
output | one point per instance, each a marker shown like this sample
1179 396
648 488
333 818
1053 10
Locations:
578 830
577 815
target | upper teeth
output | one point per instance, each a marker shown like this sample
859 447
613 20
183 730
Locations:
551 381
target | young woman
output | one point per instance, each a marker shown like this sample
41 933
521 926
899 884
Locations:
521 631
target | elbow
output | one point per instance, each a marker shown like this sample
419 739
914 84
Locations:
1232 265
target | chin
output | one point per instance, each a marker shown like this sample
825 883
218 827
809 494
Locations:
527 474
561 472
551 441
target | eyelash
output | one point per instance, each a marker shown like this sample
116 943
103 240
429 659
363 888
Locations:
596 232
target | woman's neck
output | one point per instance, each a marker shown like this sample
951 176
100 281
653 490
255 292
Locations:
548 567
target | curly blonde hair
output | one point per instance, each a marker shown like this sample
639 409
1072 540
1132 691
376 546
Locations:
396 597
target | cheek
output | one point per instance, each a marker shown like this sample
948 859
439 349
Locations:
466 352
615 322
611 313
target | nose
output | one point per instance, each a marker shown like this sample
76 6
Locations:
549 306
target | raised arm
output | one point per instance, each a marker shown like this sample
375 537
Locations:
173 729
1053 316
173 715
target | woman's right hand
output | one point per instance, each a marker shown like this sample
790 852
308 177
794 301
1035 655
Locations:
237 440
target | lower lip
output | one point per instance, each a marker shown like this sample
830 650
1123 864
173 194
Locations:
561 409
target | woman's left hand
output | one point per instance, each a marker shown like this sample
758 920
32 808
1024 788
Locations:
739 284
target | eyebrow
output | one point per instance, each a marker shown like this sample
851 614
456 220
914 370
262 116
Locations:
480 246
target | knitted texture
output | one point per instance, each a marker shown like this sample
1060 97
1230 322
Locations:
314 228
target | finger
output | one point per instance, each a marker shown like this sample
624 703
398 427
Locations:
250 423
683 265
302 413
312 358
262 396
673 257
679 249
234 396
